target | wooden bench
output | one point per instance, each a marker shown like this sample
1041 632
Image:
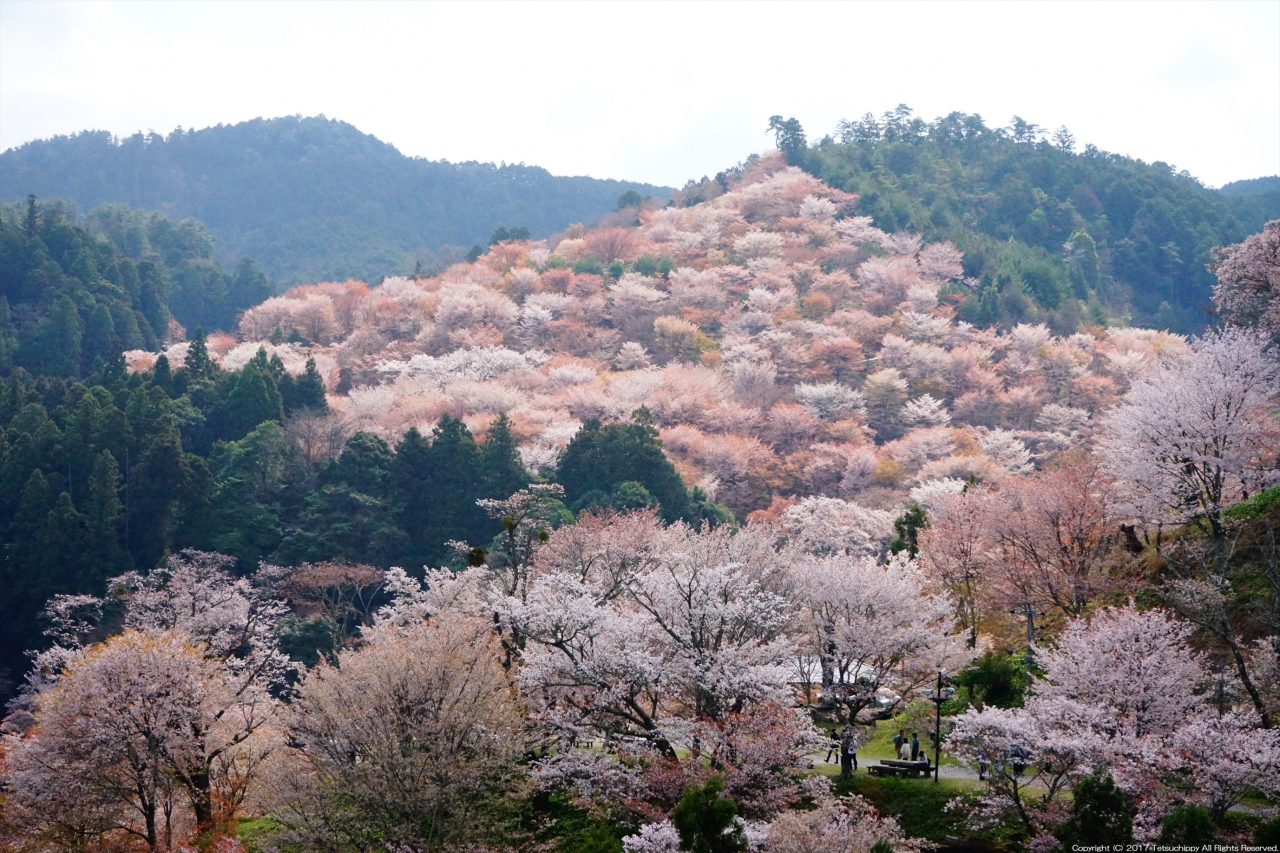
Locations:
903 769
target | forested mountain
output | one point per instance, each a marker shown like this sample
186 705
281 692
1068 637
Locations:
1048 233
309 198
73 296
1254 202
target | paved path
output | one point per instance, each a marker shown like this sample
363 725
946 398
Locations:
948 771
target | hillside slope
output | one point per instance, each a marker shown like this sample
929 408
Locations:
767 350
1049 234
1254 202
784 348
308 198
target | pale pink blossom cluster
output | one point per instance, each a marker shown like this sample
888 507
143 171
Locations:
1123 691
793 349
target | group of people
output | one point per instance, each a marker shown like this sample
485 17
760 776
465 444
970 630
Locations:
844 745
907 750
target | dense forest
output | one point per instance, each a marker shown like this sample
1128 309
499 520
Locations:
309 198
74 295
1049 233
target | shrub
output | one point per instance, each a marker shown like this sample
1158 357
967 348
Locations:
707 822
1187 824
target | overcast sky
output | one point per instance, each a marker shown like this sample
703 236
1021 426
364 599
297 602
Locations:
650 91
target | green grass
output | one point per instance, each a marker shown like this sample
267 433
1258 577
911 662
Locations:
918 804
1257 506
879 744
253 830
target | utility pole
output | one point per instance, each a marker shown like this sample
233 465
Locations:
937 732
938 696
1028 613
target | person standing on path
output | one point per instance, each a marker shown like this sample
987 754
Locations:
898 740
833 747
915 746
848 751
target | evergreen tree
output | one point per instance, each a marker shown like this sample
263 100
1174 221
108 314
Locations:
161 375
164 480
198 364
1101 813
153 299
34 505
789 137
104 514
708 822
65 549
414 510
365 465
502 473
600 458
100 341
907 527
245 514
452 486
253 398
8 336
60 338
305 392
1188 824
340 523
247 287
31 223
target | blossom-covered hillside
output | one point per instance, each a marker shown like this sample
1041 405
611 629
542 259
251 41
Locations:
785 349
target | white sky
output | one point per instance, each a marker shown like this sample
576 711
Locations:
659 92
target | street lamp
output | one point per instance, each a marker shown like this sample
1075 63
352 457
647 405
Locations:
938 696
1028 613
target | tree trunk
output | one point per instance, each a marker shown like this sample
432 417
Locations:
1247 681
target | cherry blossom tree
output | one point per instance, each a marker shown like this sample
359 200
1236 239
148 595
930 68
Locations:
826 400
1050 537
411 739
844 825
1219 759
1031 766
1203 584
821 525
235 619
233 622
607 550
721 633
1193 437
872 626
954 553
1248 288
1135 667
341 594
626 626
1123 689
133 726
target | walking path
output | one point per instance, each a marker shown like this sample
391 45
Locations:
948 771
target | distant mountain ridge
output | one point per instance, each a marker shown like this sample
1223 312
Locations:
308 198
1253 186
1049 233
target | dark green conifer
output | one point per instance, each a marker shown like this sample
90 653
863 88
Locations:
501 472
